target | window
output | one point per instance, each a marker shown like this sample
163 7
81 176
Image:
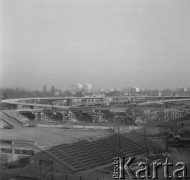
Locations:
17 151
4 150
8 150
6 142
28 152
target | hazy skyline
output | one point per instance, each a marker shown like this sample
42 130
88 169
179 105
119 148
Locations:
108 43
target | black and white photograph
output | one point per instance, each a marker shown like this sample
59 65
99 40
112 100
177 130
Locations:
94 89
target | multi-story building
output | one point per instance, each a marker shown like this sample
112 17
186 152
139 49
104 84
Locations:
78 87
72 88
87 88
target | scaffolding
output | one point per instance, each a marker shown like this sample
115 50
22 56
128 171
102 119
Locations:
98 116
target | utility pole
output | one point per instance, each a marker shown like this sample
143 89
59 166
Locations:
119 141
173 121
52 110
114 125
166 134
145 142
166 137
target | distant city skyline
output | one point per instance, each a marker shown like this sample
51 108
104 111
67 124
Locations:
91 89
109 44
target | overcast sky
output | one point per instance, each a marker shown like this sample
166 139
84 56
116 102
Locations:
108 43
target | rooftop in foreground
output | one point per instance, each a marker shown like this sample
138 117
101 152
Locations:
51 136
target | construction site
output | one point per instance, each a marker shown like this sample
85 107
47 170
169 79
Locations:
79 142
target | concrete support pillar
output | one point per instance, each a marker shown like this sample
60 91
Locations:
102 101
13 155
131 100
69 102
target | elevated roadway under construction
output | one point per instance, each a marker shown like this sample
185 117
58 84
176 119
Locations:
32 102
22 101
166 100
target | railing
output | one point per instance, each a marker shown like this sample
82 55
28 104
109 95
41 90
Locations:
12 117
9 125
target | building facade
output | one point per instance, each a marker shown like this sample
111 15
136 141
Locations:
80 88
87 88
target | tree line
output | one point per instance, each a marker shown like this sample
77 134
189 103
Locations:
8 93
